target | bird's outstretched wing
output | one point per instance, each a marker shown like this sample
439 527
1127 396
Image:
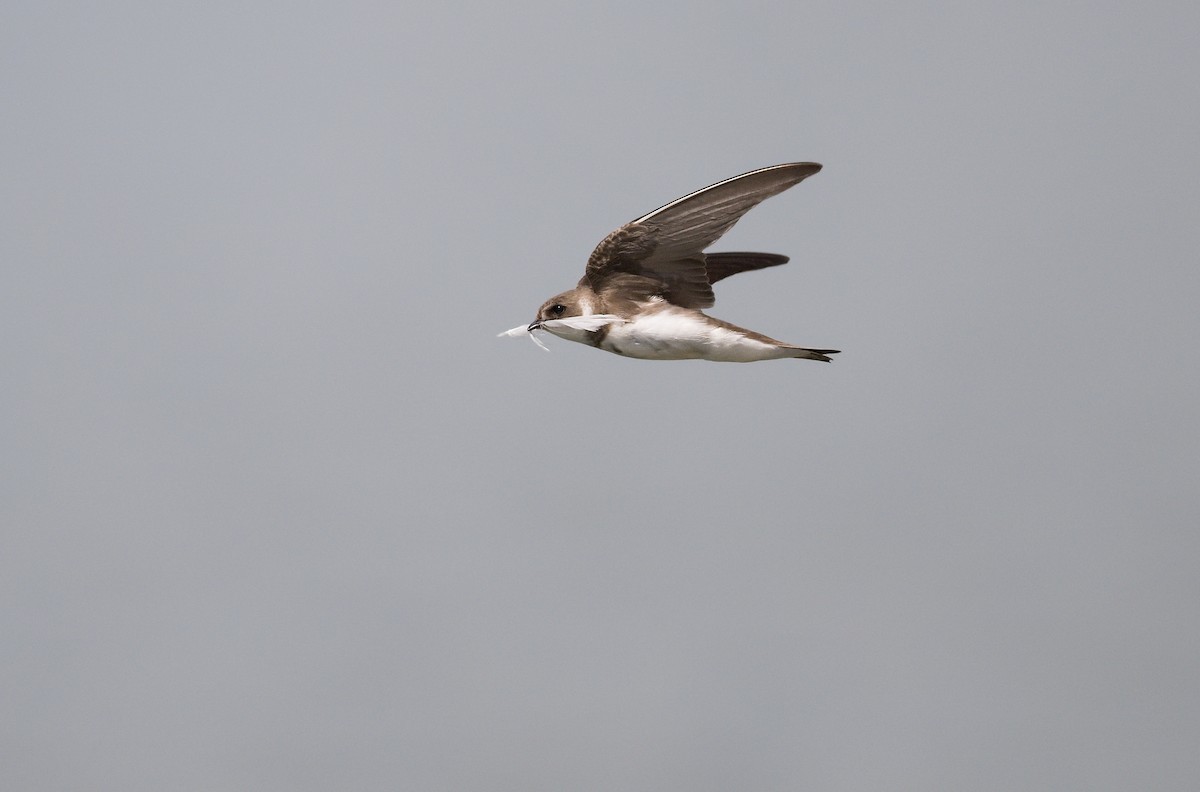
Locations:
668 244
721 265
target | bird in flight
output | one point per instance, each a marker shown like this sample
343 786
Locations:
645 284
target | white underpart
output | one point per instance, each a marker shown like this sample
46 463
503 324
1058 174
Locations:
681 334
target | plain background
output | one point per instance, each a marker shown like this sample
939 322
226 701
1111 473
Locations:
280 512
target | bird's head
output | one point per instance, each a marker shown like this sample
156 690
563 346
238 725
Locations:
571 315
562 306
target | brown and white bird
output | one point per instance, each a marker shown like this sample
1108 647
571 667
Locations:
645 284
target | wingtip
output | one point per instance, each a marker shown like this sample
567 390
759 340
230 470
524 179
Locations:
798 171
808 168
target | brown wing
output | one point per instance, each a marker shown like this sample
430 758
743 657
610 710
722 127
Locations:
722 265
668 243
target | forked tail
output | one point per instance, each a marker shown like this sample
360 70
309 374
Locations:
814 354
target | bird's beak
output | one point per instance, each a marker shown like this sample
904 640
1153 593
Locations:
536 324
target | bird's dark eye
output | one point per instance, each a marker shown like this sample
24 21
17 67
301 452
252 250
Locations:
557 309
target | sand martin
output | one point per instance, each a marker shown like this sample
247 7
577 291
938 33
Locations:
645 283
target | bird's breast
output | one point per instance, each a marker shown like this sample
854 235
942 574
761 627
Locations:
682 334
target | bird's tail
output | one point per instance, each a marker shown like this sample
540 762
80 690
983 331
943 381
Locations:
814 354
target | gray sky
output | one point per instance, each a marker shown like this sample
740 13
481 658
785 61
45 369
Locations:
281 512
